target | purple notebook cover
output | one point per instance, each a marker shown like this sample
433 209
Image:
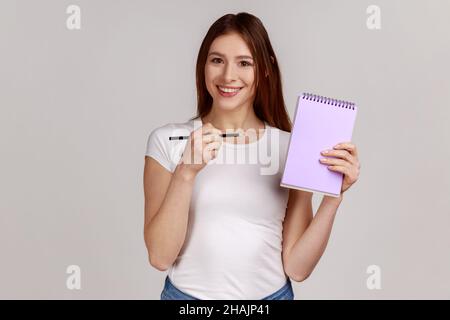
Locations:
319 124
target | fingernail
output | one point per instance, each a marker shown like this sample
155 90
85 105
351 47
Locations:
325 151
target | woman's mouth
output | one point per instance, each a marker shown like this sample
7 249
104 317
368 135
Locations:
228 92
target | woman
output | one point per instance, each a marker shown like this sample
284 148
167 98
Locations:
229 231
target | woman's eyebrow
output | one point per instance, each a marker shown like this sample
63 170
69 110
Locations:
237 57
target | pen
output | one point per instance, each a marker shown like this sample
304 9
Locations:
223 135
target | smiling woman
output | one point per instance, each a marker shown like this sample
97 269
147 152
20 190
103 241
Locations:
229 73
237 70
218 238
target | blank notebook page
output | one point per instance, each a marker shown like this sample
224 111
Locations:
319 124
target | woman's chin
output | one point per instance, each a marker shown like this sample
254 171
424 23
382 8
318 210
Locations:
227 105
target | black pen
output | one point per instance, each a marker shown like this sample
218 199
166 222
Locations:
223 135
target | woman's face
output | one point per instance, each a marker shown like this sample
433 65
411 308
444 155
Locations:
230 64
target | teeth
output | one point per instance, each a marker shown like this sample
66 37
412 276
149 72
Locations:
229 90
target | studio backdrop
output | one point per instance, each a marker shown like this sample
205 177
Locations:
83 83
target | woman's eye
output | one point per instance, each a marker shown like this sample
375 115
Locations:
244 63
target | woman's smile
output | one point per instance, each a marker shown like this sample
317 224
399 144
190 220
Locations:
228 91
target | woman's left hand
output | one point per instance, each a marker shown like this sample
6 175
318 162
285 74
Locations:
345 160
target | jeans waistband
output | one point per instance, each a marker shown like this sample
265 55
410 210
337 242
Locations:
170 292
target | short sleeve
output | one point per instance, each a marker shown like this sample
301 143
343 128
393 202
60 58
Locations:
158 149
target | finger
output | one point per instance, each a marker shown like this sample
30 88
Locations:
341 169
335 162
213 145
343 154
211 156
207 148
212 138
209 128
203 132
352 177
211 150
350 147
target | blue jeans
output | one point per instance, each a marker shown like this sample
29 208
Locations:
170 292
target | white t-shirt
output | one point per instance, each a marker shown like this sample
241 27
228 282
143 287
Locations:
233 244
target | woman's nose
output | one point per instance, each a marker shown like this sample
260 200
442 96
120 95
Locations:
228 72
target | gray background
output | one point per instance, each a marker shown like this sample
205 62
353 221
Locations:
77 108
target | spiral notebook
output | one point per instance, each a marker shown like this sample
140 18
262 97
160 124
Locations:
319 124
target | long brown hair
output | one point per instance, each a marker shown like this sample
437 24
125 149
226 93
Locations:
269 104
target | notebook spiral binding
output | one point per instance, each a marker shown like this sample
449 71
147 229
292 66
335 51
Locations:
330 101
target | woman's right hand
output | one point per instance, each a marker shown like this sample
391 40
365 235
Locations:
202 146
